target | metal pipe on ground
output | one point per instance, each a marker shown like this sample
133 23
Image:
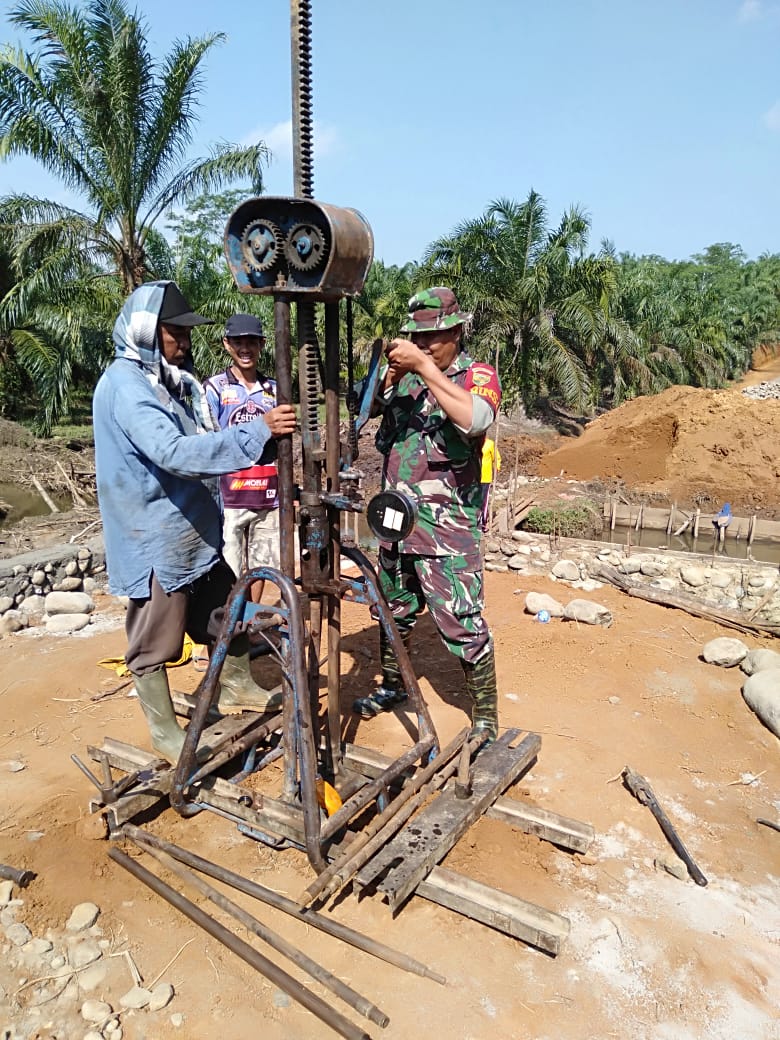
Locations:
337 1022
275 941
21 878
288 906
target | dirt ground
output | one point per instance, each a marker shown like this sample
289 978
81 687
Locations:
693 446
649 956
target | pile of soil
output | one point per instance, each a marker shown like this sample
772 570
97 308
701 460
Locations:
698 447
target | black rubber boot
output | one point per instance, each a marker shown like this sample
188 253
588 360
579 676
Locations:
483 690
391 693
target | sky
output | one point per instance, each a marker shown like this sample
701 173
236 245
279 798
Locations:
660 119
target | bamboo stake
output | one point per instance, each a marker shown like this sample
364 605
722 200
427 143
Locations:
53 507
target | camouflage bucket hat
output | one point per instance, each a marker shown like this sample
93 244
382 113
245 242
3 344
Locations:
435 308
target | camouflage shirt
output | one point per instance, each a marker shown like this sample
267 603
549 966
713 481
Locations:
428 458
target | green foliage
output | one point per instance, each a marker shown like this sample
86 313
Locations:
581 521
91 104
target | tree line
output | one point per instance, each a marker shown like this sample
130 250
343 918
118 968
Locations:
568 327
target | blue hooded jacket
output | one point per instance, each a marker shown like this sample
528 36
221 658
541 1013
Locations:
153 454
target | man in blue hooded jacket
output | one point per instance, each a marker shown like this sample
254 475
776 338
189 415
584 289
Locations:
158 455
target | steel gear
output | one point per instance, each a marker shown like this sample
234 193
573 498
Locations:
261 244
305 248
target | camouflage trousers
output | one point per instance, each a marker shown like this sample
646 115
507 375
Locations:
452 589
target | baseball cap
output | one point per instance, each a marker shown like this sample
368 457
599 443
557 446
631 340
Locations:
176 311
435 308
243 325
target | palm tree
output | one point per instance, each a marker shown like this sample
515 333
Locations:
539 301
93 107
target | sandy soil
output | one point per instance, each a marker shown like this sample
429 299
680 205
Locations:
697 447
649 957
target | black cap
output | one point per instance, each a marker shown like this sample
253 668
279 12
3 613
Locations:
176 311
243 325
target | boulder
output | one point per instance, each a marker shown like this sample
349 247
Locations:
759 660
536 601
630 565
566 570
724 652
82 916
69 603
693 576
62 623
762 695
588 613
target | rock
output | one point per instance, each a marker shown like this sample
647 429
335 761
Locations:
280 999
524 537
72 584
566 570
536 601
93 1034
758 581
762 695
10 622
177 1020
719 579
63 623
6 602
675 867
135 998
630 565
92 977
83 916
652 569
33 606
95 1011
57 962
588 613
83 953
664 584
613 699
14 765
6 891
588 585
37 947
18 934
693 576
500 568
725 652
759 661
71 568
161 996
69 603
89 584
38 578
517 562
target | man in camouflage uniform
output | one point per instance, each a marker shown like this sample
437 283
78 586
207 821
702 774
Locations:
437 404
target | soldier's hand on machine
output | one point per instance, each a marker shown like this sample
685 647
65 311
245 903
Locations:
281 420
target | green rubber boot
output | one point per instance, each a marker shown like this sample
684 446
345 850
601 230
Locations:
155 697
238 691
483 690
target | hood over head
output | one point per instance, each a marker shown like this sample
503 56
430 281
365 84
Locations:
135 330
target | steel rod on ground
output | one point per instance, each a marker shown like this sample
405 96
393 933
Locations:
277 942
288 906
337 1022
